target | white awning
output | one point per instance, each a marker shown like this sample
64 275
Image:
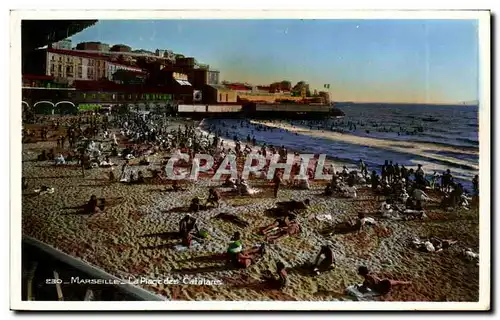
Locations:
183 82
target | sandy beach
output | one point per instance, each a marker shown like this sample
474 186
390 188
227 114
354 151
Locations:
130 239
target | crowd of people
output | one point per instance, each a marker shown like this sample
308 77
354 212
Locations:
92 144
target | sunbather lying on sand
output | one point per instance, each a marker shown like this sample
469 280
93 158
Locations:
374 283
323 264
106 163
433 244
243 258
282 222
44 190
350 225
291 229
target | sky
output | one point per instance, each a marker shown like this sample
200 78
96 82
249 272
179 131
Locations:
409 61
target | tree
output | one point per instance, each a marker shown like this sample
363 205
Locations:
298 89
286 85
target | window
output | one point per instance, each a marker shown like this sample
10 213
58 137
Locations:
53 58
59 68
114 96
93 96
130 96
52 67
220 97
84 95
60 59
227 97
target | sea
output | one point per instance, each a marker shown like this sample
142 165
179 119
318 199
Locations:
439 137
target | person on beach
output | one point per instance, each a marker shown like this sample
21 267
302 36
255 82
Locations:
475 188
446 180
420 176
374 180
93 206
240 258
213 197
187 226
140 178
125 166
362 166
291 229
328 190
279 223
277 182
384 169
419 195
59 160
404 172
324 260
281 280
390 172
195 205
229 182
374 283
84 162
350 191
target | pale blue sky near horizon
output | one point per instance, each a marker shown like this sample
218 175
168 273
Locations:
419 61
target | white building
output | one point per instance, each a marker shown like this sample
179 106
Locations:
160 53
112 67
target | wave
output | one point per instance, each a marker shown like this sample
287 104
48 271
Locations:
348 153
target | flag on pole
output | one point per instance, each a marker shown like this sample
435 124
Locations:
327 86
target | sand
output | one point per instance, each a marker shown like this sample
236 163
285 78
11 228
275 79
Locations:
126 240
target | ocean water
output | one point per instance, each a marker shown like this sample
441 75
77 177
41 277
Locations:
454 125
370 132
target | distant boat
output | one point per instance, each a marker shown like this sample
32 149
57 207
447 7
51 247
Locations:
430 119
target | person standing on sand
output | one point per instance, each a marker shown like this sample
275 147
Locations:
83 162
446 181
277 182
327 262
390 172
475 185
124 168
384 169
